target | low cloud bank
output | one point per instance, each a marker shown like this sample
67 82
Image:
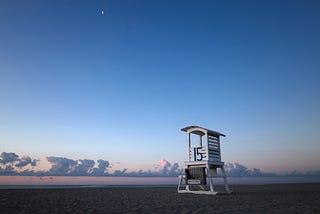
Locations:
12 159
239 170
65 166
12 164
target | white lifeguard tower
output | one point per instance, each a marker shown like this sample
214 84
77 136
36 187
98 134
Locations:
204 158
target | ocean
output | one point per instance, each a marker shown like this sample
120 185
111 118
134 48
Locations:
91 181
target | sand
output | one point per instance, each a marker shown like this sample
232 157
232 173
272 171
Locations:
281 198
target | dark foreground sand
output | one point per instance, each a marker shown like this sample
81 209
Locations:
281 198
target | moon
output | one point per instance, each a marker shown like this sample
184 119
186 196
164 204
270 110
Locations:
102 12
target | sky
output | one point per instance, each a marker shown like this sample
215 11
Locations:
117 80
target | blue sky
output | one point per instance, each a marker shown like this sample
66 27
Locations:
119 86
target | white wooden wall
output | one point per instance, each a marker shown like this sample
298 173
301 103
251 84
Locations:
214 152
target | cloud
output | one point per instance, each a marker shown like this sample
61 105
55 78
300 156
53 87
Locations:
8 170
164 163
25 160
163 169
120 172
236 169
9 157
85 167
9 160
102 167
169 169
239 170
61 165
12 164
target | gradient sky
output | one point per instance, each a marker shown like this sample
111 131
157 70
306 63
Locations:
119 86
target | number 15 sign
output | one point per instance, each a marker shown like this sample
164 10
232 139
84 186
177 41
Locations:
199 153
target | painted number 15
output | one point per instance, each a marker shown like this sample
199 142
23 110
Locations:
198 156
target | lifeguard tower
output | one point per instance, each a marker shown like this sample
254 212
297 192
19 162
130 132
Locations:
204 159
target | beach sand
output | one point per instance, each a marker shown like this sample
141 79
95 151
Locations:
275 198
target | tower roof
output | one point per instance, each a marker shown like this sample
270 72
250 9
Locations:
201 131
